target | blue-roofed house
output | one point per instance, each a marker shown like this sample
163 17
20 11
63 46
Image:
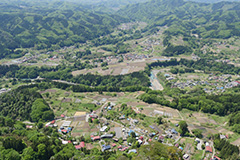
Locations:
104 148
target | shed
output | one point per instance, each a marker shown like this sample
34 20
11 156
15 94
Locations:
107 136
132 150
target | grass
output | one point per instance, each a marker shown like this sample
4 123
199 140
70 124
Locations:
77 131
197 155
219 119
234 137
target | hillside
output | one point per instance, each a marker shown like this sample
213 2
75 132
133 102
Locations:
58 24
218 20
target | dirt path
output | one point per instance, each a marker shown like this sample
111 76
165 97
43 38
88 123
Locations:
155 83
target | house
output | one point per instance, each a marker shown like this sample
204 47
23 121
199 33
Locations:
82 144
181 148
93 116
216 158
222 136
107 136
52 122
152 127
135 120
96 138
113 144
140 141
125 148
208 149
173 131
161 138
104 148
62 115
141 137
103 129
197 140
119 147
132 150
115 139
64 131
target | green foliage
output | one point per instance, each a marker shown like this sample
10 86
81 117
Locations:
44 26
159 120
41 111
218 20
17 103
157 150
226 149
183 128
197 133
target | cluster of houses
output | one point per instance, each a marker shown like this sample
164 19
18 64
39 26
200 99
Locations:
216 82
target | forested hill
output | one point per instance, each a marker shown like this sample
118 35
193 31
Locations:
60 23
217 20
211 1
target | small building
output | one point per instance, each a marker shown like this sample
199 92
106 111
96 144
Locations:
181 148
141 137
119 147
93 116
103 129
114 144
197 140
222 136
52 122
104 148
115 139
28 126
140 141
96 138
107 136
124 149
173 131
62 115
135 120
208 149
132 150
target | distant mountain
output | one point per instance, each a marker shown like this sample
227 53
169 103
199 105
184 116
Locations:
213 1
45 25
218 20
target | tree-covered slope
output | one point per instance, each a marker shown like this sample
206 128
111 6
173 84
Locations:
218 20
43 27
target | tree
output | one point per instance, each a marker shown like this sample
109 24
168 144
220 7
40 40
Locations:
159 120
197 133
95 121
42 151
183 128
28 154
